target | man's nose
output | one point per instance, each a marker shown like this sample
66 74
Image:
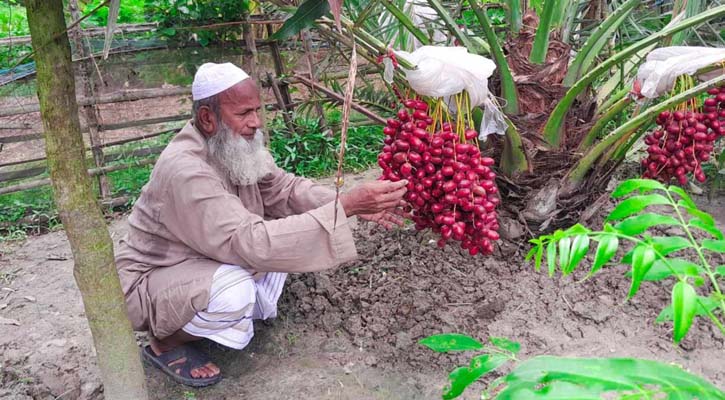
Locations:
255 121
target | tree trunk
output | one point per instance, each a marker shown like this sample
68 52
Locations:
94 269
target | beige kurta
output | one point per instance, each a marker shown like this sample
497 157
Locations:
190 219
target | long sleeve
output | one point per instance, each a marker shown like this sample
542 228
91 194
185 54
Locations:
210 220
285 194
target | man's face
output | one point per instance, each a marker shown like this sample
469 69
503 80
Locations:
236 142
240 108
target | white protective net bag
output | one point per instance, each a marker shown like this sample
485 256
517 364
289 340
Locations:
447 71
663 65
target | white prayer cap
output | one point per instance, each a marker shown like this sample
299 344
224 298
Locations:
212 78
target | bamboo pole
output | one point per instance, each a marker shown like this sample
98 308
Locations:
107 144
90 111
35 171
282 106
313 78
102 128
329 93
278 67
92 172
117 97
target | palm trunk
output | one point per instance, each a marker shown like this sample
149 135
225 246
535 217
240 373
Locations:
94 269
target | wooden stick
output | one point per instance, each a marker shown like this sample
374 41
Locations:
349 89
144 122
278 66
107 144
21 138
329 93
115 202
278 95
103 128
15 126
23 173
313 76
35 171
123 125
91 172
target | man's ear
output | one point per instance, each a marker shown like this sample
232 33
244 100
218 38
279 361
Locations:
207 120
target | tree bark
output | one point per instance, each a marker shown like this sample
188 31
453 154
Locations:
94 269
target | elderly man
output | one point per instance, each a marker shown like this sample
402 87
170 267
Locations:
219 226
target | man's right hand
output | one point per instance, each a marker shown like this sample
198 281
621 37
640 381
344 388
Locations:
373 197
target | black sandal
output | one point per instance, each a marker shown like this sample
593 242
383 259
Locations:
194 359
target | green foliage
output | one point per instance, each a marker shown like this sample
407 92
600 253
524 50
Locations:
548 377
541 40
175 14
13 19
29 211
495 354
653 257
451 342
189 395
13 22
303 17
496 15
586 57
10 55
311 152
131 12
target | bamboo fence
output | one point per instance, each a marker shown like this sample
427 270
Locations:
88 102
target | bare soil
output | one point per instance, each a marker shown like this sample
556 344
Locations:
351 333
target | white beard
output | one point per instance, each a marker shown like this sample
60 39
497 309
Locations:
244 162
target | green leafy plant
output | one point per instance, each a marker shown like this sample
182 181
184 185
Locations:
311 152
549 377
13 19
680 254
13 22
175 14
130 12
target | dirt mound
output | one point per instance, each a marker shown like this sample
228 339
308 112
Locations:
404 288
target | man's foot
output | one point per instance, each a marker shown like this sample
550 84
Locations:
184 364
208 370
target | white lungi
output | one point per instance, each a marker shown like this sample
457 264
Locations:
235 300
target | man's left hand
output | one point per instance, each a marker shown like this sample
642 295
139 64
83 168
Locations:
387 219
